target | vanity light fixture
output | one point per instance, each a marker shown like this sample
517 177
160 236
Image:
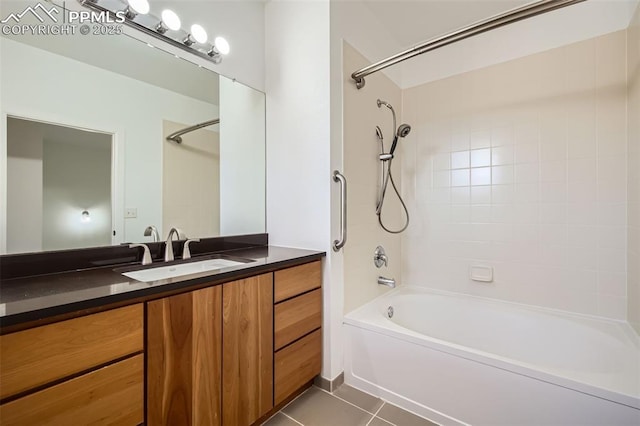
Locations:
135 7
169 21
137 16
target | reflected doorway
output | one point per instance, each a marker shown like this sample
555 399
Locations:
59 187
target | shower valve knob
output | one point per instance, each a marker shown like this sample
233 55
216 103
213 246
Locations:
380 257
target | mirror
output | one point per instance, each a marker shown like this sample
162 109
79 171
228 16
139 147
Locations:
71 90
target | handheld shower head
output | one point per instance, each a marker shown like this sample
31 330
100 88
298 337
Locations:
379 133
402 131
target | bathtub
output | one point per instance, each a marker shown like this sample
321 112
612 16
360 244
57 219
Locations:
458 359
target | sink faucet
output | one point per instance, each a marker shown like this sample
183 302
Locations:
168 247
152 231
389 282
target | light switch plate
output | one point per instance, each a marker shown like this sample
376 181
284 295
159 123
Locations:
130 213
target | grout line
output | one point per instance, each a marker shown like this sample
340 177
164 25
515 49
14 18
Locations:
286 415
380 409
350 403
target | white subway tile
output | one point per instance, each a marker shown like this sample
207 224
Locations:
481 176
502 175
502 194
527 153
460 160
460 177
612 260
481 157
612 284
502 155
481 194
460 195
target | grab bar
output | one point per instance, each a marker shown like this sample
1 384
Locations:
339 177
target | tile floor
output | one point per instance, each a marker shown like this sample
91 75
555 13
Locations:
346 406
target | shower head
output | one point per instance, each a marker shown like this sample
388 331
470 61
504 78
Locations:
379 133
402 131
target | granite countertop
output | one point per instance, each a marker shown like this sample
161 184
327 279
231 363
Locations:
34 298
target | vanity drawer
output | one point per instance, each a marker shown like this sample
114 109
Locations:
297 317
110 395
41 355
297 280
297 364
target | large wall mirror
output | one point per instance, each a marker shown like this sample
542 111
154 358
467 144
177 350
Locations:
83 138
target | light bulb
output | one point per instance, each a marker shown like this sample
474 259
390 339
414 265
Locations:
198 33
85 217
139 6
171 20
222 45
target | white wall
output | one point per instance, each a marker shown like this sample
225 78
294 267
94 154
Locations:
299 182
242 23
191 181
242 151
633 172
28 90
76 177
550 30
24 165
362 170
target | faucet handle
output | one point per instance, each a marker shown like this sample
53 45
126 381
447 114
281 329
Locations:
186 253
146 257
380 257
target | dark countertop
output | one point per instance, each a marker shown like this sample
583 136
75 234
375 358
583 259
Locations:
36 298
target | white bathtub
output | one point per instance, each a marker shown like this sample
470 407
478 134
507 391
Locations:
459 359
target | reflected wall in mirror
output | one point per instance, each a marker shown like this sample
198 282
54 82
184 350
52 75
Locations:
58 187
120 86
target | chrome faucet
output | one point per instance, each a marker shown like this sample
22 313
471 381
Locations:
168 247
146 257
152 231
389 282
186 252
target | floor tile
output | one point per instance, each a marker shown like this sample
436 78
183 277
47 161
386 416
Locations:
280 420
398 416
318 408
377 421
356 397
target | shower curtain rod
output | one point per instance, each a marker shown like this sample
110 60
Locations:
175 136
514 15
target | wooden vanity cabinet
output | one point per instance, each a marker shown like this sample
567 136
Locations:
298 321
86 370
210 355
247 358
184 358
229 354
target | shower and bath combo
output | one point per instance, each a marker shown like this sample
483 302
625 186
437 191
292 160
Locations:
386 158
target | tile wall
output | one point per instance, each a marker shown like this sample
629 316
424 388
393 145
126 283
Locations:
522 166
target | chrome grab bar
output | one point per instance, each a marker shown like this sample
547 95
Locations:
339 177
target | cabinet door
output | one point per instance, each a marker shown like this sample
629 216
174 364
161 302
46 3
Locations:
247 357
184 359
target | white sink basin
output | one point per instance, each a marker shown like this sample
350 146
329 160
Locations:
172 271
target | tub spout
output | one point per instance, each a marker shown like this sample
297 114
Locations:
389 282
